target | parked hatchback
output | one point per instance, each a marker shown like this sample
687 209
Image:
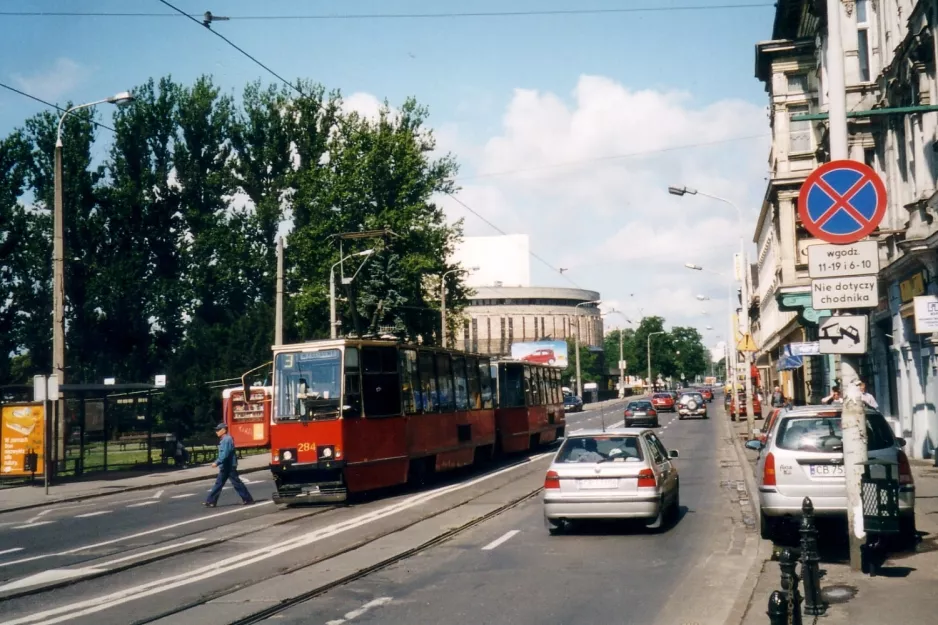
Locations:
622 473
803 457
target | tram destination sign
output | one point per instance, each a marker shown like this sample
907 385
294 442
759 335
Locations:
844 292
855 259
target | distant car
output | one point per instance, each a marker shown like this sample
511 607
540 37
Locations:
640 412
613 474
541 357
756 405
572 403
707 393
803 457
663 401
692 405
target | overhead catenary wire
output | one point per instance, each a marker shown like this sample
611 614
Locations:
208 27
386 16
49 104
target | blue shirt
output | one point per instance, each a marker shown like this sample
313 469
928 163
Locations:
226 452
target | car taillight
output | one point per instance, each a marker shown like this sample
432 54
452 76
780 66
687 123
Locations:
552 480
628 413
768 471
652 413
646 479
905 470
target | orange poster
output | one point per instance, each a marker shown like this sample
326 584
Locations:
22 434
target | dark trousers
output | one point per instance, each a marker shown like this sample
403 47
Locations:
226 473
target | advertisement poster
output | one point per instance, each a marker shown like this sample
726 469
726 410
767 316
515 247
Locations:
552 353
22 434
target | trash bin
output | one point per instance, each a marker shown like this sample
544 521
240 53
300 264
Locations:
879 492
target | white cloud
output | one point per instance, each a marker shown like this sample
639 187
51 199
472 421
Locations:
365 104
554 170
55 82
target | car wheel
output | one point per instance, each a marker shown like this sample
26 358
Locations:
907 537
628 423
676 504
657 424
551 361
554 526
767 527
680 417
706 416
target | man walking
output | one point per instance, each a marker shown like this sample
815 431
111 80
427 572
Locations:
227 463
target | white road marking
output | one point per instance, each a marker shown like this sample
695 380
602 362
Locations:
111 563
375 603
46 577
132 536
183 496
40 515
13 550
97 604
158 494
37 524
498 541
91 514
148 502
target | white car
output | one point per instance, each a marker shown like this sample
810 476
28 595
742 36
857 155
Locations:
803 457
621 473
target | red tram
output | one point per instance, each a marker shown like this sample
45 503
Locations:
355 415
248 423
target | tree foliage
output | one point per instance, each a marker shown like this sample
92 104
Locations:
676 352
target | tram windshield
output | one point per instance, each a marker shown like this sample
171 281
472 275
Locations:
308 385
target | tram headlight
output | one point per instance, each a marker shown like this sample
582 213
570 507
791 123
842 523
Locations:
327 452
288 455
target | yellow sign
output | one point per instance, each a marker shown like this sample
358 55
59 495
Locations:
746 344
22 439
911 288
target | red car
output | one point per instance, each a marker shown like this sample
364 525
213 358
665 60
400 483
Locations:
706 393
756 406
663 401
541 357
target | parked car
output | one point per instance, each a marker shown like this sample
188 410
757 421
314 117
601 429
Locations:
803 457
692 405
663 401
640 412
612 474
756 405
572 403
541 357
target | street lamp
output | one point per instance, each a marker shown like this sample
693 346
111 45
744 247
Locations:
579 381
58 247
621 353
651 334
443 302
333 324
744 321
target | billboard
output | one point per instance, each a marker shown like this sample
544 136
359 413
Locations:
22 439
552 353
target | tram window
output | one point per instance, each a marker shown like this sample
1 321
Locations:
485 384
353 386
558 392
429 401
460 384
444 380
380 381
528 388
511 386
410 381
475 395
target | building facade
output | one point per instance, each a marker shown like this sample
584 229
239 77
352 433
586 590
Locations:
498 316
892 103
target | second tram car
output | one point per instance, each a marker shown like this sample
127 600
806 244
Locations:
248 422
354 415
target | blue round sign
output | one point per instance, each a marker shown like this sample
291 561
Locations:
842 201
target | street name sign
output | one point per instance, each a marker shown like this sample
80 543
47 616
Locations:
810 348
843 335
926 314
842 201
855 259
845 292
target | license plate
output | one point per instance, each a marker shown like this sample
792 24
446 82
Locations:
598 484
827 470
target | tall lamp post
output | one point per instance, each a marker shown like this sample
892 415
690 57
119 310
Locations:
333 324
443 302
651 334
621 353
58 251
744 280
579 380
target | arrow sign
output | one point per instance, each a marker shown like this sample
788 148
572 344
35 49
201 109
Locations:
843 335
842 201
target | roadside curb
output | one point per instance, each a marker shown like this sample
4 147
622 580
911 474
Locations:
52 501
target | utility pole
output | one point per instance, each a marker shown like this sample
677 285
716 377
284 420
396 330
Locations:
853 416
651 334
278 315
579 380
747 367
621 367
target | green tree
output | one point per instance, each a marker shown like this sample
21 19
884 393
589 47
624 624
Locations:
19 247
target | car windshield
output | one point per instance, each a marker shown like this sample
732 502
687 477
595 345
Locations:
308 385
661 396
823 434
639 405
600 448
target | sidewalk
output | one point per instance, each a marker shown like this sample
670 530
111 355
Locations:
25 497
904 592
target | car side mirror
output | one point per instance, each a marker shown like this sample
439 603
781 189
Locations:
900 441
754 445
673 453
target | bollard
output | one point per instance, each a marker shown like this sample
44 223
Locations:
814 603
778 608
787 564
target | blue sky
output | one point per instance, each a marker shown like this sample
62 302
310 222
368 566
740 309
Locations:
505 93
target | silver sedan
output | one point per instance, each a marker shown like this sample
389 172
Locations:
623 473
